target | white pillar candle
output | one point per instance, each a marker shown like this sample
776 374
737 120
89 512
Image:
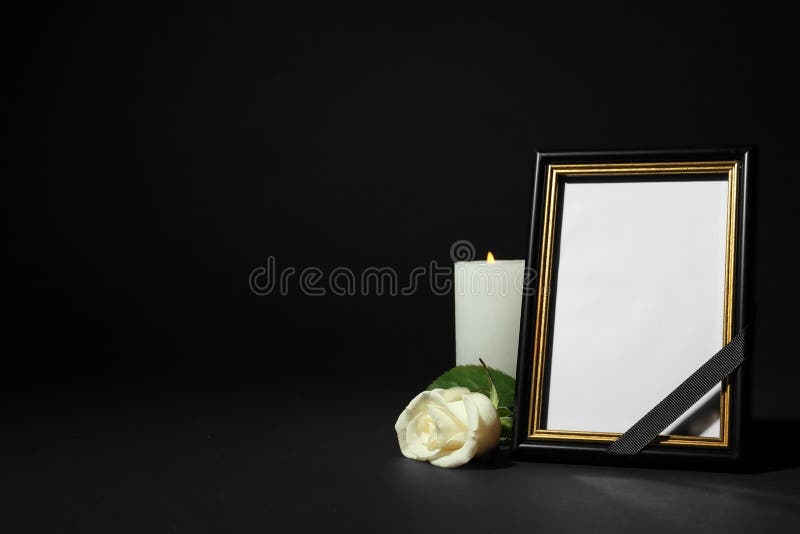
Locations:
488 303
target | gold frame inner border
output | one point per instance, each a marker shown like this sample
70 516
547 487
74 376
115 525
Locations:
554 172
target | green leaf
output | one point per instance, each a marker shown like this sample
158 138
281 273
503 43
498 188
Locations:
505 426
474 378
503 411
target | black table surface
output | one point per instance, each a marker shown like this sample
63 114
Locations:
303 458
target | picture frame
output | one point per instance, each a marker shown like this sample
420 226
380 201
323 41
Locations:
642 262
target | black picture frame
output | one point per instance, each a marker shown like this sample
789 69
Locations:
525 445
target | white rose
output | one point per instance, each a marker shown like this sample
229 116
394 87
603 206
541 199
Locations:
448 427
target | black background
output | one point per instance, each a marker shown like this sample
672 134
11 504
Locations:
160 154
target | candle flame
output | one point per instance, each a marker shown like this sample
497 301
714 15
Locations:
490 258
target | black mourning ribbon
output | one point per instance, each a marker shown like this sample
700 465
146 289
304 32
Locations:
681 399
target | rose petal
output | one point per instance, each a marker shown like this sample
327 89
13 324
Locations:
427 425
453 394
458 410
447 427
488 432
415 447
